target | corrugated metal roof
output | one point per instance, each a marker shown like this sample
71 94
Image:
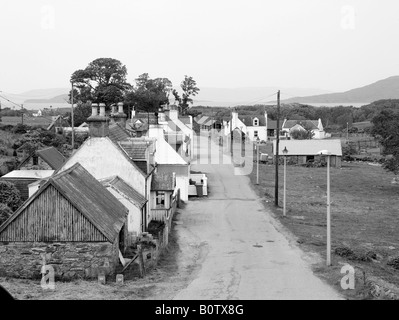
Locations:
308 147
52 156
125 189
91 199
88 196
163 182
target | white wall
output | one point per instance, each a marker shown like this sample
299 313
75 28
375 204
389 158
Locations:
103 159
134 215
262 133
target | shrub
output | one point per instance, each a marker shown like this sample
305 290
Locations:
5 213
10 195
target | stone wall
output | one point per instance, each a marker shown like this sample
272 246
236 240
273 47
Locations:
70 260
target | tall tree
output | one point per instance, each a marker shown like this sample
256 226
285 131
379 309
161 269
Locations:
386 130
103 80
190 89
149 94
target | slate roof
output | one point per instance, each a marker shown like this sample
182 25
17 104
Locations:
209 123
136 149
125 189
311 124
163 182
52 156
248 120
89 196
308 147
117 132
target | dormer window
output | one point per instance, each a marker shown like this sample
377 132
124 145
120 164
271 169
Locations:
256 122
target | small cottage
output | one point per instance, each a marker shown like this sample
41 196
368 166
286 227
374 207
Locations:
44 159
72 223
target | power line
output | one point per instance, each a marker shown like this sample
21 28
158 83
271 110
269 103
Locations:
18 105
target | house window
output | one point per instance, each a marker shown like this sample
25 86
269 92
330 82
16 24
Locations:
255 134
160 198
256 122
35 160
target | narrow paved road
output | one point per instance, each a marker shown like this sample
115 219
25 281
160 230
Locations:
242 255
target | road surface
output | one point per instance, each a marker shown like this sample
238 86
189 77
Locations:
242 255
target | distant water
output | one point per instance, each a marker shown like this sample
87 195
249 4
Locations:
345 104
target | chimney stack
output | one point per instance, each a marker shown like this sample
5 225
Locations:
98 122
120 117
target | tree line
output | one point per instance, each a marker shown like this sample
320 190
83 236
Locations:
104 80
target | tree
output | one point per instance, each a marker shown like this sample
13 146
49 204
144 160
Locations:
10 195
103 80
189 87
386 130
80 113
5 213
149 94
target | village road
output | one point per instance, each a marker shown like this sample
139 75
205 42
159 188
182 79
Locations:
243 256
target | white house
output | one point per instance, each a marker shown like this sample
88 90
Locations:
169 161
103 158
254 127
315 126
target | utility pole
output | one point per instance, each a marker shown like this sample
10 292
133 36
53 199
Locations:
277 146
72 120
22 114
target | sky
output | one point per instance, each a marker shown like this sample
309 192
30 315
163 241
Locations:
326 44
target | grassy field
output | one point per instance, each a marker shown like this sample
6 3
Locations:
30 121
364 215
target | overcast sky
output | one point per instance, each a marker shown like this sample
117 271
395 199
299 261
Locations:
327 44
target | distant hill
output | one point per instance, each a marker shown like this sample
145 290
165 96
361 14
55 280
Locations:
57 99
229 97
383 89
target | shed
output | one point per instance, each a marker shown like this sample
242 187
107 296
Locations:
23 178
72 223
302 151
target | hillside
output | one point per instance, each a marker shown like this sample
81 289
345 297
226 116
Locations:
383 89
57 99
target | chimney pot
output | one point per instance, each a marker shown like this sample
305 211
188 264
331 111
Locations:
94 109
102 109
120 107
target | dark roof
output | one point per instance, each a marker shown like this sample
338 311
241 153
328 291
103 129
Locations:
122 187
311 124
87 195
142 165
52 156
185 120
248 120
117 132
163 182
28 146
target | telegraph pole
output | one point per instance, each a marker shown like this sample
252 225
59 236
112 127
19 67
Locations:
72 120
22 114
277 146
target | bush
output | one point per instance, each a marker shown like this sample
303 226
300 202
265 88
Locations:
10 195
5 213
20 128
